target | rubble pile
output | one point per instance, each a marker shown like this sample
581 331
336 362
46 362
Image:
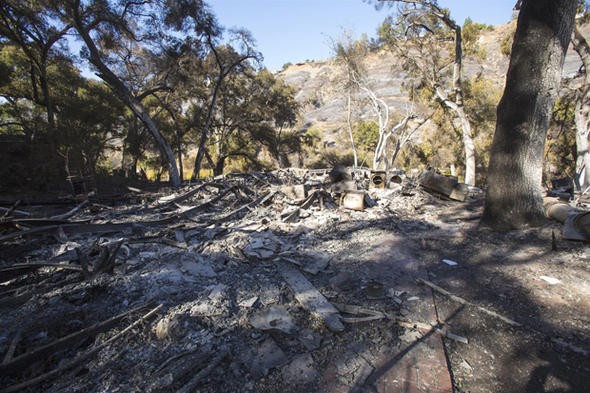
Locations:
238 284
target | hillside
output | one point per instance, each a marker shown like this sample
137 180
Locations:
323 102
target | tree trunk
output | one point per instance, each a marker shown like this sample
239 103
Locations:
224 71
205 132
582 114
514 197
139 110
125 95
350 133
468 146
179 154
47 100
219 166
467 135
380 149
457 106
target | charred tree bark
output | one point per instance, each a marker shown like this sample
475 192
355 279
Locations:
514 197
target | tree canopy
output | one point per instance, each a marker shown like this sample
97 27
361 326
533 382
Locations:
169 80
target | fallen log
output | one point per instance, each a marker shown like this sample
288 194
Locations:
16 297
247 206
369 315
206 204
576 222
21 269
448 186
167 201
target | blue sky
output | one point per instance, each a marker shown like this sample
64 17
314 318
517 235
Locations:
290 31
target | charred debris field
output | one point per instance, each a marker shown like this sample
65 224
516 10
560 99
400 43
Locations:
290 281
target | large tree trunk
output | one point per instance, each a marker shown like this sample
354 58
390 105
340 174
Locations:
514 197
582 114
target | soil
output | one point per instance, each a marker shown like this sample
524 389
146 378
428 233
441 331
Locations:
215 272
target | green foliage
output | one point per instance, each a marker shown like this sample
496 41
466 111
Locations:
560 149
584 9
312 137
331 157
311 141
470 34
169 55
351 54
366 135
257 113
443 146
90 120
481 97
388 32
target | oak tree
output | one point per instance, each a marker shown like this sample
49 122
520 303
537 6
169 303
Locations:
514 196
